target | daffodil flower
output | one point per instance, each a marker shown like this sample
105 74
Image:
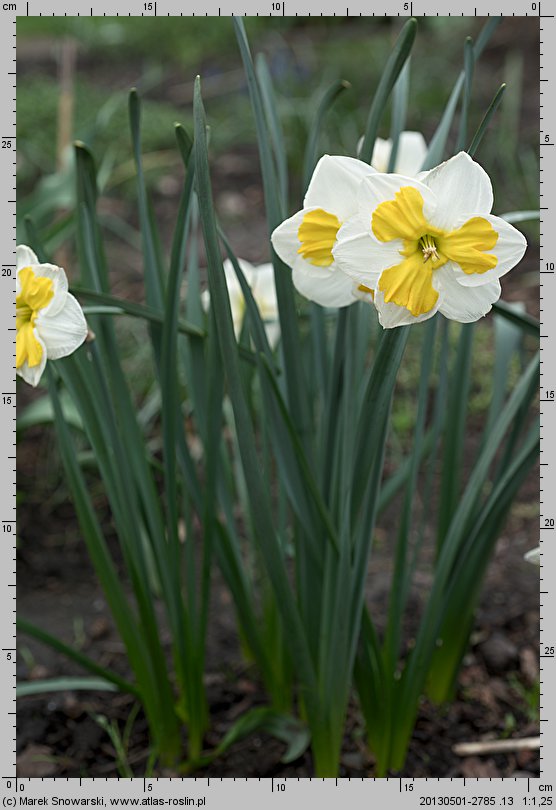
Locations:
49 322
261 282
429 245
411 154
305 241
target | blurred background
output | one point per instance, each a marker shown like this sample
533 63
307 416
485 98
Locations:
73 77
74 74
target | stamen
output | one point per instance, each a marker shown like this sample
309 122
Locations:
428 246
24 312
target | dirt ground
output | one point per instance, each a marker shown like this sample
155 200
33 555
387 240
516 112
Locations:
58 735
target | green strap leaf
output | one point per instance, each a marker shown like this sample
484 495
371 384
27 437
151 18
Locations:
522 319
133 309
399 112
396 61
30 629
295 378
274 124
520 216
468 69
438 142
64 685
258 488
317 124
483 126
454 432
154 282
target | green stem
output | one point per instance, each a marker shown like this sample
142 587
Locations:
326 748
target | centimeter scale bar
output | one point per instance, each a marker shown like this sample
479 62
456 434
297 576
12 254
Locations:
251 794
8 388
280 8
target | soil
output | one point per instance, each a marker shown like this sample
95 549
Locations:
58 734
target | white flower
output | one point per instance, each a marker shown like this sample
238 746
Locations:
49 322
261 281
412 151
534 556
305 241
429 245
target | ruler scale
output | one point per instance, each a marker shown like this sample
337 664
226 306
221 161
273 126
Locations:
247 793
8 386
547 158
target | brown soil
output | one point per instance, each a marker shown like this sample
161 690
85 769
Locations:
57 734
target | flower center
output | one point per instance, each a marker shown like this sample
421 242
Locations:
35 294
317 234
428 246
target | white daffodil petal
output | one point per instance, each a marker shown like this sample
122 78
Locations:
237 319
238 306
235 292
205 300
534 556
272 333
263 280
32 375
264 291
391 315
461 187
285 240
360 255
311 270
379 188
246 268
334 184
412 151
59 286
232 281
509 250
381 153
25 257
330 289
463 304
64 332
363 294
